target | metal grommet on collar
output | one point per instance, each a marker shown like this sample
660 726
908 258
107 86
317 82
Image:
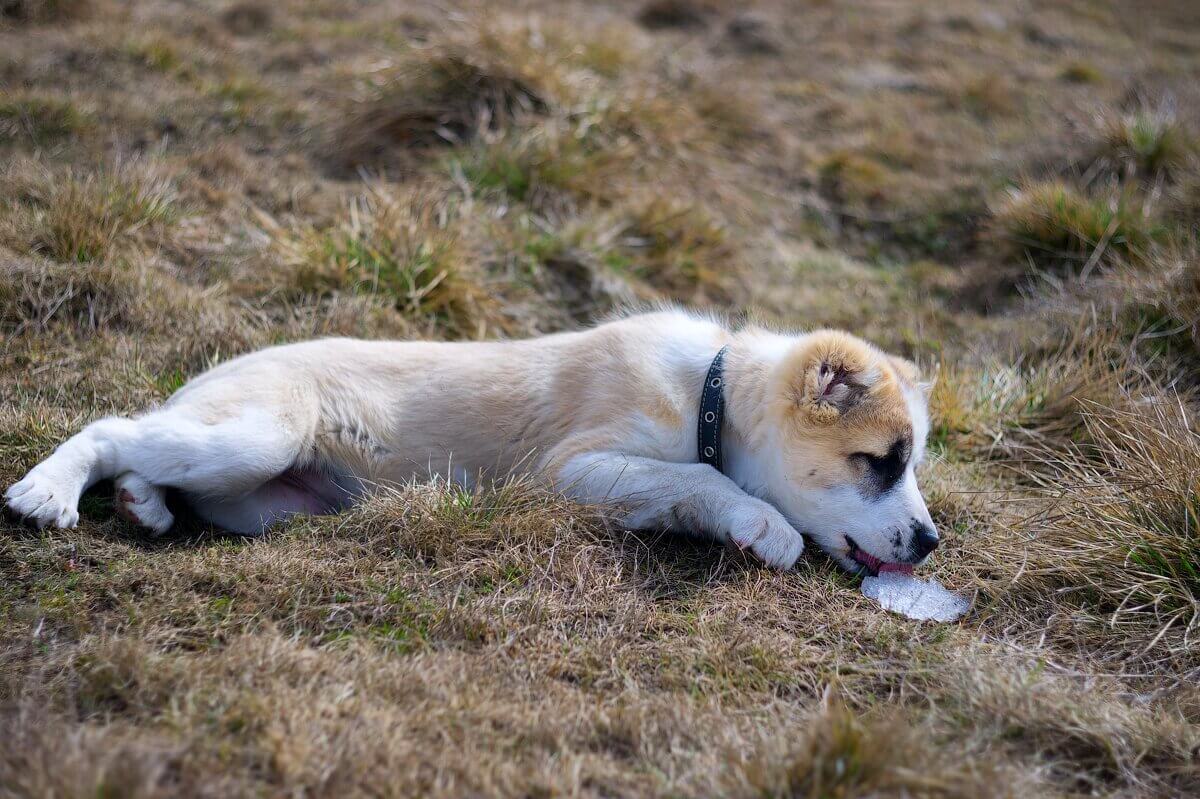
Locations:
711 415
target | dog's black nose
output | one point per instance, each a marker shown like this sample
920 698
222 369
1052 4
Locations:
925 539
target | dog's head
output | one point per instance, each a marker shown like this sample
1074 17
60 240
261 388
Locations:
848 429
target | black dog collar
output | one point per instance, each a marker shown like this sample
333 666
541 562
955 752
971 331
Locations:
712 413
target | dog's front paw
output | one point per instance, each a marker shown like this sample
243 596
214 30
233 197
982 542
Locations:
761 529
42 500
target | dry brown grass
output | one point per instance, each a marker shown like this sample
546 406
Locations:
38 119
84 217
44 11
402 250
195 189
1146 142
840 754
679 14
1056 226
448 95
678 248
1123 540
36 295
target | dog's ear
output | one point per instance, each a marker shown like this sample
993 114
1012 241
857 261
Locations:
833 372
911 374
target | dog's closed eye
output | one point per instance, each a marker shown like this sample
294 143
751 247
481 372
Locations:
885 470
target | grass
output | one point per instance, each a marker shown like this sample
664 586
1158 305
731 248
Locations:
840 754
1056 225
45 11
679 14
158 54
679 248
1183 203
1080 72
38 120
1125 539
446 97
1146 141
84 217
209 185
988 96
398 249
91 296
548 170
850 177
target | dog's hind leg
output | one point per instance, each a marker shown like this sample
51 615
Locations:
169 447
142 502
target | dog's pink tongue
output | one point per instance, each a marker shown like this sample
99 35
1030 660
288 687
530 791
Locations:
902 568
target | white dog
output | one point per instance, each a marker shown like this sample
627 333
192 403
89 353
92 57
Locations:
749 436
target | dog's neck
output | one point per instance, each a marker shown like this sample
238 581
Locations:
748 363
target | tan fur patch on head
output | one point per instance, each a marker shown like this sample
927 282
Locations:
837 389
827 374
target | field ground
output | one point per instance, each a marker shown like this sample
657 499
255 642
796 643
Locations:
1008 193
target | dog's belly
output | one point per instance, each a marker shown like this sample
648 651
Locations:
307 491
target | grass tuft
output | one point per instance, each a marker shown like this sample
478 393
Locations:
108 295
1146 142
448 95
1000 410
677 14
988 96
43 11
1124 541
1081 72
1183 199
84 217
850 178
677 247
396 248
550 169
248 17
494 528
158 53
840 755
1054 225
37 119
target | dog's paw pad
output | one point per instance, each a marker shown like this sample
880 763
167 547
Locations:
142 503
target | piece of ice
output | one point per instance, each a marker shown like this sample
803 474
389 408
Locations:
917 599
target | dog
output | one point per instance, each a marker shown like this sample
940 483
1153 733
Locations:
674 421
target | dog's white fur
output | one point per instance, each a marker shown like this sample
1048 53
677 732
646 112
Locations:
608 414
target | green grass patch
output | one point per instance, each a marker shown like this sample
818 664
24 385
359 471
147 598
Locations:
1055 225
677 247
1081 72
38 120
546 169
158 54
393 249
1147 141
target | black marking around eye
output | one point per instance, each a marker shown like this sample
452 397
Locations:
884 472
